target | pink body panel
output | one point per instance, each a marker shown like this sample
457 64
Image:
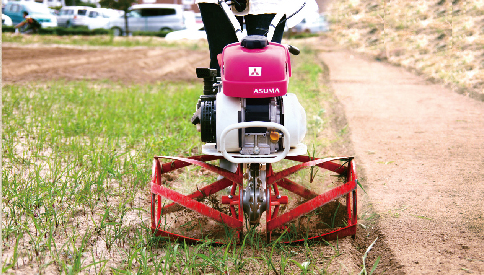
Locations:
255 73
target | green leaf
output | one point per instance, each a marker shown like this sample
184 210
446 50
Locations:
298 264
375 265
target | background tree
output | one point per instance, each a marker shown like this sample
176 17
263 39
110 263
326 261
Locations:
123 5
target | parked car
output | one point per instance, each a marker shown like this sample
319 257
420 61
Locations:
192 34
54 12
151 17
187 34
314 23
6 20
98 18
71 16
37 11
191 21
198 20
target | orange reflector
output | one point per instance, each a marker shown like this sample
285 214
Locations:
274 136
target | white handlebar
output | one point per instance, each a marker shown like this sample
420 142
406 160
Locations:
233 20
238 29
273 25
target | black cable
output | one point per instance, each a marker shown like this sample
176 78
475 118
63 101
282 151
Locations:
287 17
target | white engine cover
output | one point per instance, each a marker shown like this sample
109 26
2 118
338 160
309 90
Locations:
294 118
227 113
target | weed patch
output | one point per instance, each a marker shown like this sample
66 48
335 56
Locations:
76 166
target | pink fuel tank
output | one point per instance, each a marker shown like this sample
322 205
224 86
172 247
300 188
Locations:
255 73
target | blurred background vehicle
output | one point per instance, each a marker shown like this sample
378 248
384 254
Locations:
312 23
194 28
198 19
98 18
193 32
54 12
6 20
38 11
151 17
71 16
188 34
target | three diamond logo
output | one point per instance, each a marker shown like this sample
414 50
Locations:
255 71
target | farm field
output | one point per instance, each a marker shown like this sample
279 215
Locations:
82 123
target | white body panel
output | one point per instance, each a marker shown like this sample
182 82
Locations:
228 109
294 118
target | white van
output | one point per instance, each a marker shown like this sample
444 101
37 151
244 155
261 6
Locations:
71 16
151 17
98 18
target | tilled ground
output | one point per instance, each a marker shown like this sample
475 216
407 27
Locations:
126 65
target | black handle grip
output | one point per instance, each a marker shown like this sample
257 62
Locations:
206 72
293 50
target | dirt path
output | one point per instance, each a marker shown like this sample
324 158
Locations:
421 149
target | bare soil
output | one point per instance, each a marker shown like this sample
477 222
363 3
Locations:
419 147
126 65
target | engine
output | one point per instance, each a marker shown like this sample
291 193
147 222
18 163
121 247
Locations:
252 88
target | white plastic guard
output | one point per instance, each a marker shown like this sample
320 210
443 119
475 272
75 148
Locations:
256 158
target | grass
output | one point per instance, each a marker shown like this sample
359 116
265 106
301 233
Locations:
77 155
76 166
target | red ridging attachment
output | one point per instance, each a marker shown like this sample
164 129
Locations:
273 181
195 206
311 205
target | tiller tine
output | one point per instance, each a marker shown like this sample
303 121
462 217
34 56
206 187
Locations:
240 201
180 201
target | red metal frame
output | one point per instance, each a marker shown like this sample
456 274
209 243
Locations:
274 181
